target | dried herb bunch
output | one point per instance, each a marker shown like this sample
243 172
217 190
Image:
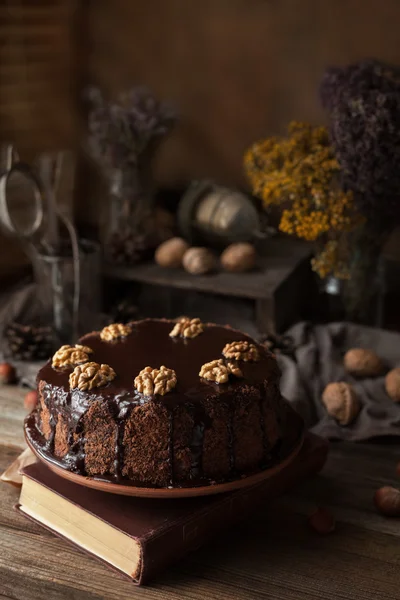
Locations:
363 101
123 136
301 174
120 131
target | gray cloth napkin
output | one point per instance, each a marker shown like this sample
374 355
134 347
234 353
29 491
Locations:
319 361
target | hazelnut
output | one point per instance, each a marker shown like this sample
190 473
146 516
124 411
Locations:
30 400
363 363
199 261
170 253
322 521
238 258
7 373
341 402
392 384
387 501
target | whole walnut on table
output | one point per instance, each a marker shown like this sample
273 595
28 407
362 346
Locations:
341 402
392 384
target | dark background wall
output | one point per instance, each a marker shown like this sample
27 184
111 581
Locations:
236 69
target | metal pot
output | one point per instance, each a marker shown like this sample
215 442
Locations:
216 215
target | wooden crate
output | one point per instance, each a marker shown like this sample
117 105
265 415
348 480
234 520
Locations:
281 287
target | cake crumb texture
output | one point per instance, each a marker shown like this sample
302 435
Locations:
101 433
146 445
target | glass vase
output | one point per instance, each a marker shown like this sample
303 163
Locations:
360 298
126 229
364 291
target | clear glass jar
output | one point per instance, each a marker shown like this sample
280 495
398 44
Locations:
127 233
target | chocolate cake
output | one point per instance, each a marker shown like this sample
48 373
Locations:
160 403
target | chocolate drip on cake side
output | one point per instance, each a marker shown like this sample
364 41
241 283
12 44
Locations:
171 447
123 411
231 443
200 423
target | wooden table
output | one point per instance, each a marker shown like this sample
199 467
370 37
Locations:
274 555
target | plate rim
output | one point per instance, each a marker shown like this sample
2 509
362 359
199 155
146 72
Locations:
174 492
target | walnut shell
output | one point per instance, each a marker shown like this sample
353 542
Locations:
387 501
322 521
199 261
392 384
238 258
341 402
363 363
170 253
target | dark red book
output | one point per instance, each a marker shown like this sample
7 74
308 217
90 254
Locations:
140 536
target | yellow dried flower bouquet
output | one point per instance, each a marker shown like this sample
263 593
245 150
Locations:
301 174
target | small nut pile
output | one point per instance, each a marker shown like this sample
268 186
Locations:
219 371
155 381
341 402
187 328
241 351
363 363
69 356
91 375
115 331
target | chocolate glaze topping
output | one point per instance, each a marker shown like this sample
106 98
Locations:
149 344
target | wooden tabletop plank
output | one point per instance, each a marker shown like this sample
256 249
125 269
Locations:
275 556
12 414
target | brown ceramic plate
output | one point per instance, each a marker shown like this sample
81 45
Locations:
294 424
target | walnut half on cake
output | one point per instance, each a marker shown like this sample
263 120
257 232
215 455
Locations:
139 409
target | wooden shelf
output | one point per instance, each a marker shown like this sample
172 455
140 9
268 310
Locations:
278 286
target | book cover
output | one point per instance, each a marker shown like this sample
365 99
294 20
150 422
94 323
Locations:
140 536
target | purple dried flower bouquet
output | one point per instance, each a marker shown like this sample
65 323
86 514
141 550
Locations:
122 138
